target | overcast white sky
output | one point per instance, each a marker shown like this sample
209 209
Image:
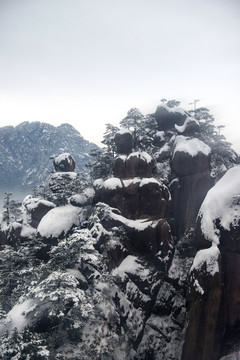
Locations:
87 62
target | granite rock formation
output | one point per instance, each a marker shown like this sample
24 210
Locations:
64 163
144 266
214 296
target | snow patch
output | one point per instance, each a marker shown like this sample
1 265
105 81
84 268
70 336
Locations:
221 202
112 183
192 146
132 266
16 318
124 131
141 155
146 181
66 174
207 257
31 202
182 128
59 220
138 225
160 135
98 183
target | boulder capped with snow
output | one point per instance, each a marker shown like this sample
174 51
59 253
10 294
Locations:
136 198
64 163
190 126
220 211
124 141
206 315
214 277
59 221
145 236
136 164
190 156
167 117
139 164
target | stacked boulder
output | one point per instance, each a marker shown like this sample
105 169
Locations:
138 197
190 177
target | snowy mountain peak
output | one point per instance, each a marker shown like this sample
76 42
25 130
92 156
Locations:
25 152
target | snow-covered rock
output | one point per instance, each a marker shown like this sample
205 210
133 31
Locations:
59 221
136 198
64 162
190 156
190 126
221 207
36 209
124 141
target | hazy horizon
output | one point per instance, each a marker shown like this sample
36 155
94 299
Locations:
87 63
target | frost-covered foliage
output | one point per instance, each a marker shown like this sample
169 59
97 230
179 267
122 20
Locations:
102 165
85 302
223 156
160 144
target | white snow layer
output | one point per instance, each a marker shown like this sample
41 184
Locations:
59 220
31 202
113 182
188 120
66 174
221 202
138 225
124 131
130 265
141 155
192 146
160 134
16 317
209 258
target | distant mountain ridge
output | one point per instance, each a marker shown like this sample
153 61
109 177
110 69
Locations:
25 152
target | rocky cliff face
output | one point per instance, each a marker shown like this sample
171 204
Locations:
214 296
25 151
142 267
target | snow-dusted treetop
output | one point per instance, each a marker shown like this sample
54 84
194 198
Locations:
222 202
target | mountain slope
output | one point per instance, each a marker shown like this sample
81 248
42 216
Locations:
25 152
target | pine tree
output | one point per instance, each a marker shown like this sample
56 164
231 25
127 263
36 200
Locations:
223 156
172 103
133 122
108 138
102 165
6 207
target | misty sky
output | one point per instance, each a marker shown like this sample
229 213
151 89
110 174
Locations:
87 62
